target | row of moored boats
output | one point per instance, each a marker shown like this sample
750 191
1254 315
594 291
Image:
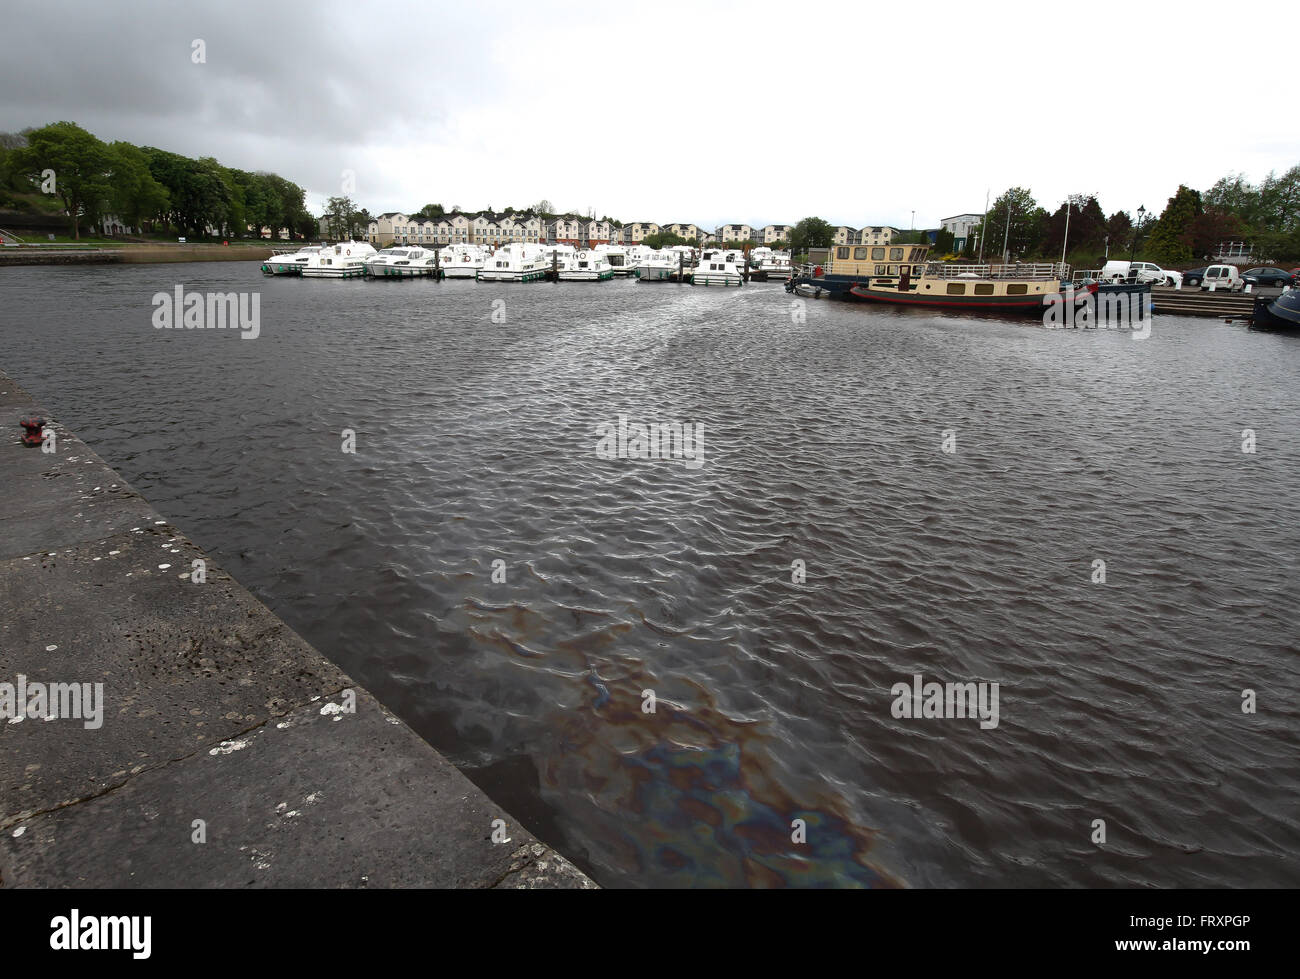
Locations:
529 263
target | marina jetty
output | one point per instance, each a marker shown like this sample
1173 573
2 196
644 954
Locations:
163 728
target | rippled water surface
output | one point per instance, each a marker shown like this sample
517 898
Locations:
476 443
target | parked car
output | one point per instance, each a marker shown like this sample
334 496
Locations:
1222 277
1193 277
1140 272
1268 276
1148 272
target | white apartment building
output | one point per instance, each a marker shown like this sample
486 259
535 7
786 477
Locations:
564 231
735 232
592 233
638 231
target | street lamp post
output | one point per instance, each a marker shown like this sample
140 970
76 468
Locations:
1137 232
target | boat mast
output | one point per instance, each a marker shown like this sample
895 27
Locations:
984 225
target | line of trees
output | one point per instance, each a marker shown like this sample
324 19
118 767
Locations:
145 187
1188 230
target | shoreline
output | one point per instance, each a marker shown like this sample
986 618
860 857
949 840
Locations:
130 254
226 751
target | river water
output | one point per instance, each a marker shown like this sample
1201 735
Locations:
523 601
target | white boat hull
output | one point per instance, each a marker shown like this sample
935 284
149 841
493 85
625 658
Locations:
585 275
702 278
512 275
335 272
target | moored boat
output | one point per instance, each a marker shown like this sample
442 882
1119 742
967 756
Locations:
401 263
719 268
771 265
658 266
461 261
516 263
587 266
289 262
620 259
1280 313
899 275
346 260
1019 288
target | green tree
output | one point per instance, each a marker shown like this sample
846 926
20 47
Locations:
811 233
1211 227
80 165
134 195
1279 199
664 239
340 217
1233 194
944 240
1016 225
1168 241
1087 229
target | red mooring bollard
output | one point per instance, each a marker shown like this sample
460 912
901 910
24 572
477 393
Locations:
35 433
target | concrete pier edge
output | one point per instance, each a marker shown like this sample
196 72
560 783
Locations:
230 753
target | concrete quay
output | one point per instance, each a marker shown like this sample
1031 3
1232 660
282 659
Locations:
228 751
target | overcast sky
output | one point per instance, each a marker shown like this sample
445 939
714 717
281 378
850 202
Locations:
704 112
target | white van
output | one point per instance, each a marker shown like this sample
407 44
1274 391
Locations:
1222 277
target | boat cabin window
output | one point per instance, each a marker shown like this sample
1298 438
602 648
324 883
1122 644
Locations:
984 288
956 288
877 254
1017 289
895 254
842 252
880 270
893 270
859 254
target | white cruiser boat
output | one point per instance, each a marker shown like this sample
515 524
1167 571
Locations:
560 257
516 263
587 266
637 254
775 265
345 260
620 261
289 262
719 268
462 261
402 263
659 266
